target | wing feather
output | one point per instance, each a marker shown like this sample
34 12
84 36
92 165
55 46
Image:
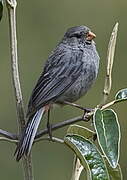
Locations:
59 74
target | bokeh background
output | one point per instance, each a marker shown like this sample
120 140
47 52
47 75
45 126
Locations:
40 26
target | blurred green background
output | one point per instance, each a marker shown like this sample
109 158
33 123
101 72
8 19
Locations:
40 26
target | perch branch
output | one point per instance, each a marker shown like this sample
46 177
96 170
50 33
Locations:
11 7
56 126
59 125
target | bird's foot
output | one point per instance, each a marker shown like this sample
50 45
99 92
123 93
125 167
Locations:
86 110
86 116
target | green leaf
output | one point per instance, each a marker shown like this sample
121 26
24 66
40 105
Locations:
89 156
1 9
121 95
108 133
114 173
80 130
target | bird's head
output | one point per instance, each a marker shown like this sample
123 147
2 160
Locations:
79 34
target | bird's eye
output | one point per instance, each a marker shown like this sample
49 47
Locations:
77 35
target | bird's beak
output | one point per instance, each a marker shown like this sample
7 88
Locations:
90 36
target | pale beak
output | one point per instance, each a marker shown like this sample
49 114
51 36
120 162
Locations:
90 36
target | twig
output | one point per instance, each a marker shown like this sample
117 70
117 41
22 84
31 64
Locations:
59 125
109 104
53 139
8 140
11 7
77 169
110 59
8 134
54 127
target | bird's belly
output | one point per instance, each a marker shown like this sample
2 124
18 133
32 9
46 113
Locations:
79 88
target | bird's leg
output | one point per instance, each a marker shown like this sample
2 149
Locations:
86 110
49 127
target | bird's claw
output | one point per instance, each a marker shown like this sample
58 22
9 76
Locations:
86 116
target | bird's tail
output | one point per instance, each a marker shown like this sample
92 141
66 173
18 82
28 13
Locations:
28 135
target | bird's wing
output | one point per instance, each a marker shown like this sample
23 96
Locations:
61 71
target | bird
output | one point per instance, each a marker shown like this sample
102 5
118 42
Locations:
68 74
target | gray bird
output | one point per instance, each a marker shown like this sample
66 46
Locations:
69 72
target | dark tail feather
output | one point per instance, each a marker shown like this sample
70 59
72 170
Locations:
28 135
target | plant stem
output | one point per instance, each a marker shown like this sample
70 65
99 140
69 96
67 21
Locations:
11 7
77 169
8 134
8 140
110 60
53 139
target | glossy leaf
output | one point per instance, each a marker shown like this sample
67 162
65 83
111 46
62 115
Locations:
108 133
89 156
1 9
80 130
121 95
